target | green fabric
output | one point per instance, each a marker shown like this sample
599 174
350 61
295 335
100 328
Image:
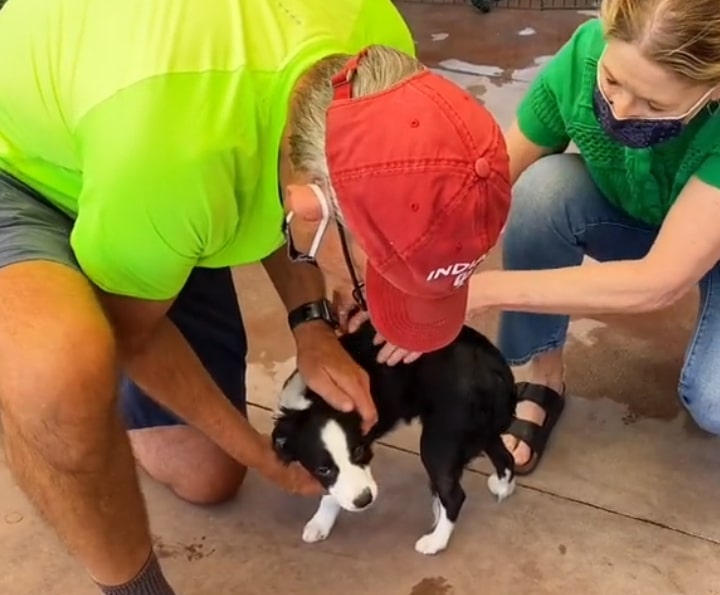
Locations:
644 183
156 124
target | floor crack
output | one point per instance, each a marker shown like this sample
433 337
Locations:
546 492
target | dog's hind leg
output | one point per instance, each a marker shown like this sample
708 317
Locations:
502 482
319 526
443 461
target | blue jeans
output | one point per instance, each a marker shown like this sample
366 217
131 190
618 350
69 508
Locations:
557 217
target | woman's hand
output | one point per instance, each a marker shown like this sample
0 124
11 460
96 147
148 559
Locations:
389 354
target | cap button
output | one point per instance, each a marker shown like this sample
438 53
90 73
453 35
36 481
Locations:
482 167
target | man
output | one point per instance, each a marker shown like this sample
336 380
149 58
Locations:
143 149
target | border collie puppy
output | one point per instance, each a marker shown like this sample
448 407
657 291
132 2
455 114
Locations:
464 396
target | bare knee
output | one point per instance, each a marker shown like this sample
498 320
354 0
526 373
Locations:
57 395
188 463
213 486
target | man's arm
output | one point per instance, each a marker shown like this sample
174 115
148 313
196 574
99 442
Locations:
157 357
295 282
326 367
686 248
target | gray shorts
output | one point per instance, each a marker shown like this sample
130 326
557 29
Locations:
31 228
206 311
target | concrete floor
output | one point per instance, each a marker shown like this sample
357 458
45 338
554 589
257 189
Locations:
625 501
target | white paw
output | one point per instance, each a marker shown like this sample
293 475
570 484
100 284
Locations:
319 526
315 531
501 488
430 544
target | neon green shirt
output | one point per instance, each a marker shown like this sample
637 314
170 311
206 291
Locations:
644 183
156 124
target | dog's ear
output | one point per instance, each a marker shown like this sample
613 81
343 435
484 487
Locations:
283 439
293 396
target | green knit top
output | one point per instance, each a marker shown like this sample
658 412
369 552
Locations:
644 183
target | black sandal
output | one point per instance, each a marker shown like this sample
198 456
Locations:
536 435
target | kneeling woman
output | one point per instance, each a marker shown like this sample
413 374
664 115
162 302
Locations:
637 91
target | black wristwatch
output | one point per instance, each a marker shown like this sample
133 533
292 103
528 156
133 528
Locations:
319 310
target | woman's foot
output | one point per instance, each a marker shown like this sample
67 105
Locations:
540 404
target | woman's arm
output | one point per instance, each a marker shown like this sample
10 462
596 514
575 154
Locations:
522 151
686 248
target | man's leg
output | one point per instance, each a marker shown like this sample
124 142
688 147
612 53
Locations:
558 216
179 456
63 437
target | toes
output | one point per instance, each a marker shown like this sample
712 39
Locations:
520 451
511 443
522 454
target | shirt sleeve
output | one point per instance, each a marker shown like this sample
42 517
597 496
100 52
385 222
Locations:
545 109
709 170
155 198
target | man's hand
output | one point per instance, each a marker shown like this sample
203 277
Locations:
389 354
292 478
328 370
159 358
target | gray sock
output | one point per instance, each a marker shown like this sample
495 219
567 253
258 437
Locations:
149 581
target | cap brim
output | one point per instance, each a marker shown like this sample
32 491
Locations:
410 322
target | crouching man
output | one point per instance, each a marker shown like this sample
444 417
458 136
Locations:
145 148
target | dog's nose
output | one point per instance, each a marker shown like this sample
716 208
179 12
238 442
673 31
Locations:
364 499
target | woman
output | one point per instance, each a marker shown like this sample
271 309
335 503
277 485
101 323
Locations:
637 91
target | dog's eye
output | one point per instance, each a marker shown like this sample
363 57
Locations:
323 471
358 454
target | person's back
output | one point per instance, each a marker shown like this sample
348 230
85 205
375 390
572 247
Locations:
161 121
66 59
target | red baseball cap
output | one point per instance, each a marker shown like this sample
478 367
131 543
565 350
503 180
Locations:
421 175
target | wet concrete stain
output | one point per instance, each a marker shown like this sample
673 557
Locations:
489 39
436 585
477 90
269 339
629 418
192 552
635 360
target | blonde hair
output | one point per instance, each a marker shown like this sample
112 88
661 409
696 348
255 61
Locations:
681 35
381 68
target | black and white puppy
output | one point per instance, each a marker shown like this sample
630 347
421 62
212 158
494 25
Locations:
464 396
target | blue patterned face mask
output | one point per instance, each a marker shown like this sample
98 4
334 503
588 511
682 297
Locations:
641 133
